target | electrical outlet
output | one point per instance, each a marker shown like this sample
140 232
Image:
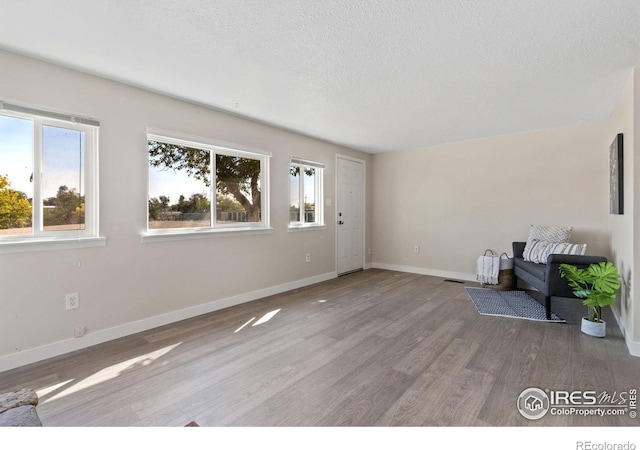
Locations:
416 249
72 300
79 331
308 257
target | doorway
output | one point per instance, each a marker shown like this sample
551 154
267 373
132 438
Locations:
350 215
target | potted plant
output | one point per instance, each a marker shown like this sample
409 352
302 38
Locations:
597 285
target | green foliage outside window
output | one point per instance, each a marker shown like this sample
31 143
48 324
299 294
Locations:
15 207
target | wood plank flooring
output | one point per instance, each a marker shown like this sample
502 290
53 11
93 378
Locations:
373 348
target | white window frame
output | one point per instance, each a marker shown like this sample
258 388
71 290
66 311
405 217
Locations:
319 194
215 147
41 239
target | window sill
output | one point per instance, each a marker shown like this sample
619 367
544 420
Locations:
181 235
311 227
42 244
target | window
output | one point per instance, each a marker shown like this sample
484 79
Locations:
48 188
305 193
195 185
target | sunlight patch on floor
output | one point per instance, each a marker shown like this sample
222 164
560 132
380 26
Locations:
111 372
245 324
264 319
267 317
46 391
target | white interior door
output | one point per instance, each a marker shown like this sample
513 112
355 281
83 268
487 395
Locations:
350 215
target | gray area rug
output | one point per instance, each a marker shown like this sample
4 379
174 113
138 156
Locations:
516 304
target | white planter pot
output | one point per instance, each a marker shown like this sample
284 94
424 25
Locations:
597 329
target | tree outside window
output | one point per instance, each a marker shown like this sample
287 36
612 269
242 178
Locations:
184 180
48 171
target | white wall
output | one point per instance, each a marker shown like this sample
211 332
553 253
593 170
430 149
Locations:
456 200
623 233
128 286
634 148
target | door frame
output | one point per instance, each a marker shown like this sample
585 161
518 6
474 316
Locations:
364 208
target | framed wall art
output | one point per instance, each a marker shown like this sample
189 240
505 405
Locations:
616 179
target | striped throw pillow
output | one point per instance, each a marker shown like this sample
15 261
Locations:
538 251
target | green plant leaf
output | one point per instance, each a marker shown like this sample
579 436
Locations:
604 277
575 278
571 272
581 293
597 285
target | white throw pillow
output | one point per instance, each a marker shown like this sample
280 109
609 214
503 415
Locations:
538 251
548 233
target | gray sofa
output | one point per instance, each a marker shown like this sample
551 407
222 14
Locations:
546 277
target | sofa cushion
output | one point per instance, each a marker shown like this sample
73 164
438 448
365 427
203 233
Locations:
538 251
537 271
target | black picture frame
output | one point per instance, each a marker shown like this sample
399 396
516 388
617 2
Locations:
616 179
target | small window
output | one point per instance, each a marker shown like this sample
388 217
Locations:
199 186
48 187
305 193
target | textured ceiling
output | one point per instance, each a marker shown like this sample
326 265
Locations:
376 75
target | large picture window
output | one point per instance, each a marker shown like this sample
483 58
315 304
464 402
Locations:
196 185
48 181
305 193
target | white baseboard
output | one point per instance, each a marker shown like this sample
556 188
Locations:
425 271
633 346
32 355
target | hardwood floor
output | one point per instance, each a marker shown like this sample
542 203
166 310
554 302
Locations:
373 348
